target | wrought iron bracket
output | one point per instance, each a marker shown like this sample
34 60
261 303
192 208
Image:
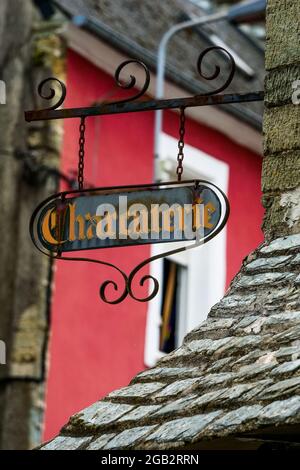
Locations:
133 104
129 105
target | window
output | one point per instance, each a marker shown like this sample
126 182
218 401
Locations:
200 272
173 305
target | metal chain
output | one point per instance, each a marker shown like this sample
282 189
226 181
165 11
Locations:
81 153
180 155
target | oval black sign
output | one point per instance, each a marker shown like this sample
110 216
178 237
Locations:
124 216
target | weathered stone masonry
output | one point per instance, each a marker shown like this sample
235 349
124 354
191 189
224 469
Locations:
281 166
26 56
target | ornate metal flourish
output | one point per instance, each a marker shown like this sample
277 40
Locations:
52 92
132 82
128 280
217 69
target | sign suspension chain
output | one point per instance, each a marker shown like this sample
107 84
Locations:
81 153
61 207
180 156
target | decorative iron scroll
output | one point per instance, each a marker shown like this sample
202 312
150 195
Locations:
44 85
61 200
132 82
217 69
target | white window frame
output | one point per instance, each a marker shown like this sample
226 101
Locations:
206 286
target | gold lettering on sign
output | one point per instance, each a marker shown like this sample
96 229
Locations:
209 209
73 220
132 222
48 226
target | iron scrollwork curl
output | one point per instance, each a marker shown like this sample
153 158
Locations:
132 81
108 282
146 277
217 71
52 92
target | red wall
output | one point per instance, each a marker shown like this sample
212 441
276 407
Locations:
96 347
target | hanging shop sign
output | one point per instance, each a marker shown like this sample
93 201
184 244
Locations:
188 212
105 218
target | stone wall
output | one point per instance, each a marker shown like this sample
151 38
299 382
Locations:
281 166
27 54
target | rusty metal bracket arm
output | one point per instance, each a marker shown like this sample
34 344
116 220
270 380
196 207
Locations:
152 105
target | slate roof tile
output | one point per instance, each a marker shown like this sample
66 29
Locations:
159 373
257 388
176 406
234 419
178 387
66 443
281 410
282 244
264 279
182 429
128 437
139 412
99 414
268 263
280 389
252 370
100 442
248 358
137 390
286 367
290 352
220 364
